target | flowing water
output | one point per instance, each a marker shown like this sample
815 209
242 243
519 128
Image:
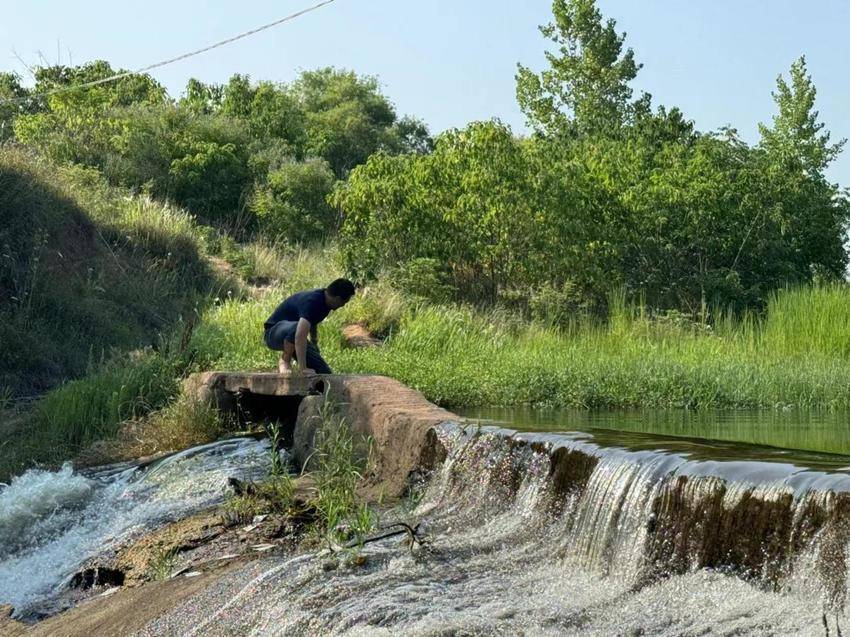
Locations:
577 531
52 522
561 525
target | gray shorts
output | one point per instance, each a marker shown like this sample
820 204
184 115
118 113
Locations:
282 331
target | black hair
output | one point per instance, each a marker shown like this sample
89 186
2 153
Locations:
342 288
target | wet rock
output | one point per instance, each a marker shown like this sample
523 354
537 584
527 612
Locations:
97 576
357 335
240 487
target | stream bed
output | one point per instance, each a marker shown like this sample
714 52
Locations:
538 523
573 529
52 522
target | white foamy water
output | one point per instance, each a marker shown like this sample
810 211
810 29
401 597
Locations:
51 522
511 555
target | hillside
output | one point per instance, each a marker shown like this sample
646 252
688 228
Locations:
85 270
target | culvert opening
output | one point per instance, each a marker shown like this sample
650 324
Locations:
252 409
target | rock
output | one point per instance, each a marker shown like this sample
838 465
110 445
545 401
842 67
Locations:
8 626
241 487
356 335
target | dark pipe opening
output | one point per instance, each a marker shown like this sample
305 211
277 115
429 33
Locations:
261 409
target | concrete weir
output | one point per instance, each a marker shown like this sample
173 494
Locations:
679 511
395 417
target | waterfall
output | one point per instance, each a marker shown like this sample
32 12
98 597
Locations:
551 534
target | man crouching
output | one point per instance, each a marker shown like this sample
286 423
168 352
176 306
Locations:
287 328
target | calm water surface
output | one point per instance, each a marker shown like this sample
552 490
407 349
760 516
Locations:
823 432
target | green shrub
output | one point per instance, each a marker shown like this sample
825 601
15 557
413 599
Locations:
424 278
292 204
378 307
209 179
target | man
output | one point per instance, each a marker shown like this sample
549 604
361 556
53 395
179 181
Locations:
287 328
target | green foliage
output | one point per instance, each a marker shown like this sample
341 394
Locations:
78 126
273 495
292 204
339 464
796 133
131 89
347 118
89 409
11 89
378 307
183 422
196 160
677 219
201 98
468 206
163 563
424 278
209 179
218 144
586 87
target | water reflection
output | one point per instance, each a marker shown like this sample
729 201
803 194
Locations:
801 431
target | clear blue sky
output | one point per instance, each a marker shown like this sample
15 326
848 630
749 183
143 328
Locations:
453 61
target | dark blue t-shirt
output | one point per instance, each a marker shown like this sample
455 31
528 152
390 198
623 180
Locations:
309 305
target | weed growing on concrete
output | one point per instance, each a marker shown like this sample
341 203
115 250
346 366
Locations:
278 465
339 463
163 563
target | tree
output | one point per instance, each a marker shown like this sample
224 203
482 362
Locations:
411 136
11 89
126 91
796 131
202 98
210 179
586 87
798 151
347 117
79 125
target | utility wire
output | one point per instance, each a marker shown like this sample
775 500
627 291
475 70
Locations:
145 69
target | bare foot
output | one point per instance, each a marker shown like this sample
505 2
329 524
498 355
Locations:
284 367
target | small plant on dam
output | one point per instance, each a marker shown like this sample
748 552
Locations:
339 467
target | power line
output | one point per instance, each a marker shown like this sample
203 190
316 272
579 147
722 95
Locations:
150 67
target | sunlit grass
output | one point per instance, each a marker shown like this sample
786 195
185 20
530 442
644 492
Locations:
796 355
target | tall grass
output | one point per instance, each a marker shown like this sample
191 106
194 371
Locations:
796 355
801 321
83 411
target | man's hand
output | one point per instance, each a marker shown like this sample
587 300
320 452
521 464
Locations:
306 371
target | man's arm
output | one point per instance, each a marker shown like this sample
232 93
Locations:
301 332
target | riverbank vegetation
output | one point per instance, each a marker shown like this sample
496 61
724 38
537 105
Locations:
795 354
614 257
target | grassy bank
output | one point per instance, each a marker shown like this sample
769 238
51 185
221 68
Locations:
87 270
797 355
